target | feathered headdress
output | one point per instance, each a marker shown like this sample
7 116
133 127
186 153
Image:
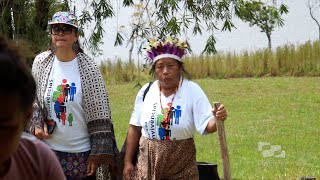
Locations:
169 47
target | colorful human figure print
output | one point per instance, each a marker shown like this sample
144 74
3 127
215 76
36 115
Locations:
167 134
177 114
161 132
171 114
63 85
63 118
56 94
57 109
60 98
70 119
73 91
62 108
66 92
160 118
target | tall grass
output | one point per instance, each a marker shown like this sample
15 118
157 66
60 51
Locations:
118 71
287 60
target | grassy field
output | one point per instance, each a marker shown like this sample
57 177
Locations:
283 111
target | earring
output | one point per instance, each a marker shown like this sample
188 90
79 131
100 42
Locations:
75 47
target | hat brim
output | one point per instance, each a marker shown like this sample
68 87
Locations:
167 56
50 23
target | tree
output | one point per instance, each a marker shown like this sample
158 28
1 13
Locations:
140 28
266 17
26 21
94 13
33 29
181 16
314 10
178 17
172 16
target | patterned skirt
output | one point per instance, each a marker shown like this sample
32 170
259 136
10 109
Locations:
74 165
158 159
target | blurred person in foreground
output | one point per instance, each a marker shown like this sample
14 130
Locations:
73 101
163 123
22 156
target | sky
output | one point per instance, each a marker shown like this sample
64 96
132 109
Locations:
299 28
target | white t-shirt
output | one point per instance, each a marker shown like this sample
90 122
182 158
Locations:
63 100
191 111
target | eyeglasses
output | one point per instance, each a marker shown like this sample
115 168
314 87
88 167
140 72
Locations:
55 30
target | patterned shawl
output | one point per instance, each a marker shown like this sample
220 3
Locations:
95 103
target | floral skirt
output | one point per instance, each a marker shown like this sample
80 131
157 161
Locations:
158 159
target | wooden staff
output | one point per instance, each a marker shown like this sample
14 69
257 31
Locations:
223 145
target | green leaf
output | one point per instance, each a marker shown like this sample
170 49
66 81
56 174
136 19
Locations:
197 29
227 25
127 3
284 9
210 46
119 40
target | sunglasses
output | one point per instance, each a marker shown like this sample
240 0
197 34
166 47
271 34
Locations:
66 29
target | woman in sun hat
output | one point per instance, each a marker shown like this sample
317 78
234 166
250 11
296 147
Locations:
164 121
75 118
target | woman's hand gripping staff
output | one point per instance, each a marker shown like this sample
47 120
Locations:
220 116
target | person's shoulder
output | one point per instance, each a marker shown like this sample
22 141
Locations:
143 91
149 85
31 151
191 88
33 144
41 58
34 148
86 63
39 158
42 55
188 84
84 58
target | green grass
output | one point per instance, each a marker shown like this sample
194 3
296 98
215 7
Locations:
284 111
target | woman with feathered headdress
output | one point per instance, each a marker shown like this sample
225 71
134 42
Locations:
165 119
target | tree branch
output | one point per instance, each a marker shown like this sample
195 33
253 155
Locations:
310 7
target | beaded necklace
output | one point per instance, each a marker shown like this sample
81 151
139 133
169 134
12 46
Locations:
166 116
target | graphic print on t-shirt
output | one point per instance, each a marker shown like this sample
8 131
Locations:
165 120
64 92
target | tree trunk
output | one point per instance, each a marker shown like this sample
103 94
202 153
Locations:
319 32
42 12
310 7
130 57
130 50
20 20
269 40
5 18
